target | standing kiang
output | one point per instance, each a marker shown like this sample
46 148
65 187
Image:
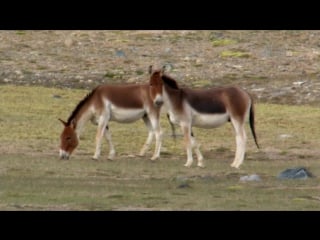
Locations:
206 108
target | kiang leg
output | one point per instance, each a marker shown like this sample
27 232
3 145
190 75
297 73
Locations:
146 145
186 129
196 147
102 124
112 151
241 139
153 126
155 123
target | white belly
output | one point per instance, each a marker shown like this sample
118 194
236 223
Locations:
209 120
125 115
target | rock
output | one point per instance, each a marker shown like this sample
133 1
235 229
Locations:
183 182
253 177
184 185
295 173
285 136
68 42
299 83
120 53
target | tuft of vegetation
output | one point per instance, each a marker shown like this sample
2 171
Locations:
110 75
223 42
139 72
234 54
21 32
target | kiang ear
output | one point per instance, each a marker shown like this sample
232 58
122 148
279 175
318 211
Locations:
63 122
150 69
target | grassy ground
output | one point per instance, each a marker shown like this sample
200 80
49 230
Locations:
33 178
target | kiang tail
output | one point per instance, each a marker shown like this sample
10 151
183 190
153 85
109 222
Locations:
251 121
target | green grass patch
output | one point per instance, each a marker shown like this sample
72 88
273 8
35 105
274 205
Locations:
32 177
21 32
234 54
223 42
110 75
140 72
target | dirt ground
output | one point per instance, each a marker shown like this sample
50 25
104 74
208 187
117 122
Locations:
275 66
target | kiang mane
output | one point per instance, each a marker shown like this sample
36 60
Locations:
79 106
170 82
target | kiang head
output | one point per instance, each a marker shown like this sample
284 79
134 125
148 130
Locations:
68 139
156 85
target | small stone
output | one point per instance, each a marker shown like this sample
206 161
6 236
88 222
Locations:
68 42
120 53
285 136
253 177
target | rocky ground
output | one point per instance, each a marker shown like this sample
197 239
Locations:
275 66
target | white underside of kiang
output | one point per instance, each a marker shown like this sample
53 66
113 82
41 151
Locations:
125 115
205 120
202 120
113 113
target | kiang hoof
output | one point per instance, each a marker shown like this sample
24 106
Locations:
141 154
154 159
110 158
111 155
201 165
234 166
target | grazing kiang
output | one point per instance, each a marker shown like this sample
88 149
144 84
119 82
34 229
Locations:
206 108
119 103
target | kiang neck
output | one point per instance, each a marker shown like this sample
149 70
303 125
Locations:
172 96
80 122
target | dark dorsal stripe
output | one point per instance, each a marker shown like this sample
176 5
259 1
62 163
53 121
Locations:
79 106
170 82
205 101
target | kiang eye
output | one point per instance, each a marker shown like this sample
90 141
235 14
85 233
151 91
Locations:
68 138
